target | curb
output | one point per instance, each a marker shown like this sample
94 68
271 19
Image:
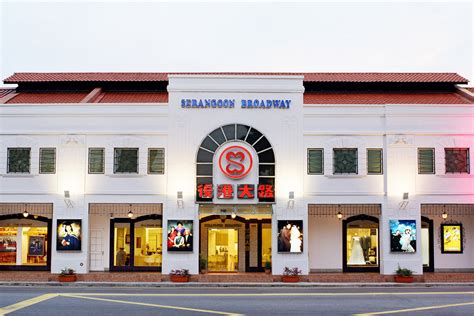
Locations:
220 285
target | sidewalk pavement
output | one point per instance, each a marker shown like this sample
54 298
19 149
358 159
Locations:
233 284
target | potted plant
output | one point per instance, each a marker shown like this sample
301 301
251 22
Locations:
403 275
203 264
291 274
67 275
268 267
179 275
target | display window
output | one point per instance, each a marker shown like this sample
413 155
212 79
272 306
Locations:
148 243
137 244
24 243
452 239
266 244
361 244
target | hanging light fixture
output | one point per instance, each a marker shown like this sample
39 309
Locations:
339 214
444 215
233 215
130 213
25 212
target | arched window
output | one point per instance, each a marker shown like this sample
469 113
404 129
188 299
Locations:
235 133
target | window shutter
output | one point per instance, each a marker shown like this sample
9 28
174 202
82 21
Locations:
457 160
426 161
315 161
19 160
345 160
96 160
126 160
156 161
47 160
374 161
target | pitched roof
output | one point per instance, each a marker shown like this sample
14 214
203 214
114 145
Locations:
385 98
5 91
133 97
48 97
308 77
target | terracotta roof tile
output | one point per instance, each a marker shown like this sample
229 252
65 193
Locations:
48 97
385 98
308 77
133 97
470 89
5 91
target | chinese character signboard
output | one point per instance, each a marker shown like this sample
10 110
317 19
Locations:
246 191
225 191
205 192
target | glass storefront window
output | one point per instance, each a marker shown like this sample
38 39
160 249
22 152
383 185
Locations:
362 244
223 250
8 245
121 244
23 242
148 243
266 243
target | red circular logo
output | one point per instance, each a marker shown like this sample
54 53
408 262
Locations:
235 162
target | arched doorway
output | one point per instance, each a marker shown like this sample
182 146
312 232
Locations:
427 244
25 242
136 244
360 244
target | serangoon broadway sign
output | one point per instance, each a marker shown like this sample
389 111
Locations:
230 103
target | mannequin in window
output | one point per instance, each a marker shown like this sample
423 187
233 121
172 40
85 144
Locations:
357 254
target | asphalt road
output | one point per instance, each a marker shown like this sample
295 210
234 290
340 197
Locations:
232 301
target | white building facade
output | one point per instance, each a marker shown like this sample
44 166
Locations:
235 172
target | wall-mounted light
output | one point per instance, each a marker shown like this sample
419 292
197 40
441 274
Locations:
67 199
404 203
179 199
339 214
25 211
444 215
291 199
130 213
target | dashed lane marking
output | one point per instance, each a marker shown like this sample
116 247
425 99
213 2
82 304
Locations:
32 301
416 309
152 305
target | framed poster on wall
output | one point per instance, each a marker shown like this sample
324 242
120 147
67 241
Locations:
402 235
36 246
180 235
290 236
69 235
451 238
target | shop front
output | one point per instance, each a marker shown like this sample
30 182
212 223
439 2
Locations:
25 237
135 237
236 241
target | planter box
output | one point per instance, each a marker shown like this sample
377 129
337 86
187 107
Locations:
67 278
179 278
290 278
403 279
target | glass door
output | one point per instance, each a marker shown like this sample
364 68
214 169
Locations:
137 244
223 250
427 252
